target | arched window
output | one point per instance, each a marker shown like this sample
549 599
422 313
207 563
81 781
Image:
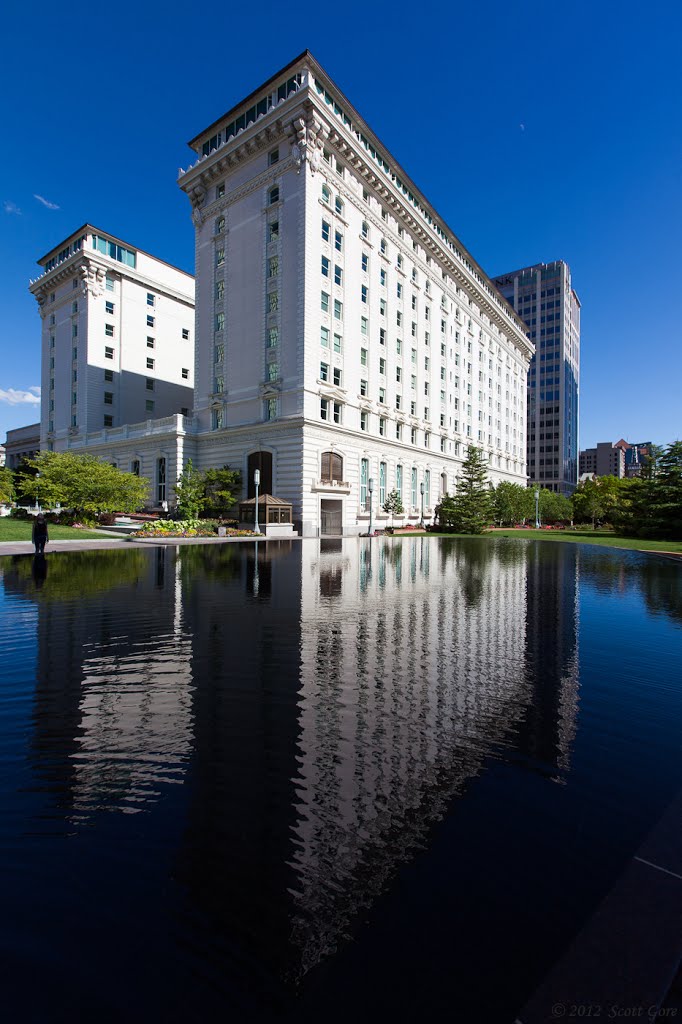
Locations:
331 467
263 462
326 194
338 205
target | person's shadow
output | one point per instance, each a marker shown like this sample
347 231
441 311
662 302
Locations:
39 570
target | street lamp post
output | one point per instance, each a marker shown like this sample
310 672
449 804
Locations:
537 508
37 479
421 489
370 488
256 480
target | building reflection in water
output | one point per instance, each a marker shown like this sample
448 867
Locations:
322 704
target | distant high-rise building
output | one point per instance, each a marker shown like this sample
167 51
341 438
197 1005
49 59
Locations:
636 455
605 460
542 295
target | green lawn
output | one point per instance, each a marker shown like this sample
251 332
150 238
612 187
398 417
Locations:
15 529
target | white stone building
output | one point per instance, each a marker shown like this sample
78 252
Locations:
344 334
117 338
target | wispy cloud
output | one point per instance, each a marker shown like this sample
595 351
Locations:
10 207
14 397
45 202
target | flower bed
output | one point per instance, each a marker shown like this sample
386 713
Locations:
186 528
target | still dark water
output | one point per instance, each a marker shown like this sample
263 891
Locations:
334 781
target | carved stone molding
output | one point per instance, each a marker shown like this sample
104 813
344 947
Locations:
93 279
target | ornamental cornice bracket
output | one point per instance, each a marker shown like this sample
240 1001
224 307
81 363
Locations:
197 195
308 136
93 279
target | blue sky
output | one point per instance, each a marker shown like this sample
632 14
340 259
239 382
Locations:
538 132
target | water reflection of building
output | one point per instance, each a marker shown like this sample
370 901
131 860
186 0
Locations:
113 678
322 703
551 633
412 673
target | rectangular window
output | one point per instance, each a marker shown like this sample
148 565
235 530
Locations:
219 321
364 479
108 375
338 241
363 357
151 301
398 401
149 405
185 334
338 276
382 427
382 366
273 337
150 363
219 257
382 336
150 342
324 337
324 371
150 321
364 293
271 409
414 475
108 421
365 262
382 396
109 308
337 342
273 371
273 231
325 267
382 278
363 388
219 353
219 293
398 374
338 309
337 377
108 353
273 266
364 419
382 483
325 231
185 373
324 302
273 156
363 325
149 384
399 479
109 283
108 398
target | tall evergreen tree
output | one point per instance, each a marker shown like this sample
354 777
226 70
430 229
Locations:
471 509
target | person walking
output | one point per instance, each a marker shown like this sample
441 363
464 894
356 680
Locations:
39 534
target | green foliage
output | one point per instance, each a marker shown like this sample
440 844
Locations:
512 503
650 506
189 492
554 507
222 488
393 505
81 482
470 510
6 486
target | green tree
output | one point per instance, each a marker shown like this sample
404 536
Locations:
666 493
586 501
222 488
393 505
84 483
6 485
554 507
190 492
471 509
512 503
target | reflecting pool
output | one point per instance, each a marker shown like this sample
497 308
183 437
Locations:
332 780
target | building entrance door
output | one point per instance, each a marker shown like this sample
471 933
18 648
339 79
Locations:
331 518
